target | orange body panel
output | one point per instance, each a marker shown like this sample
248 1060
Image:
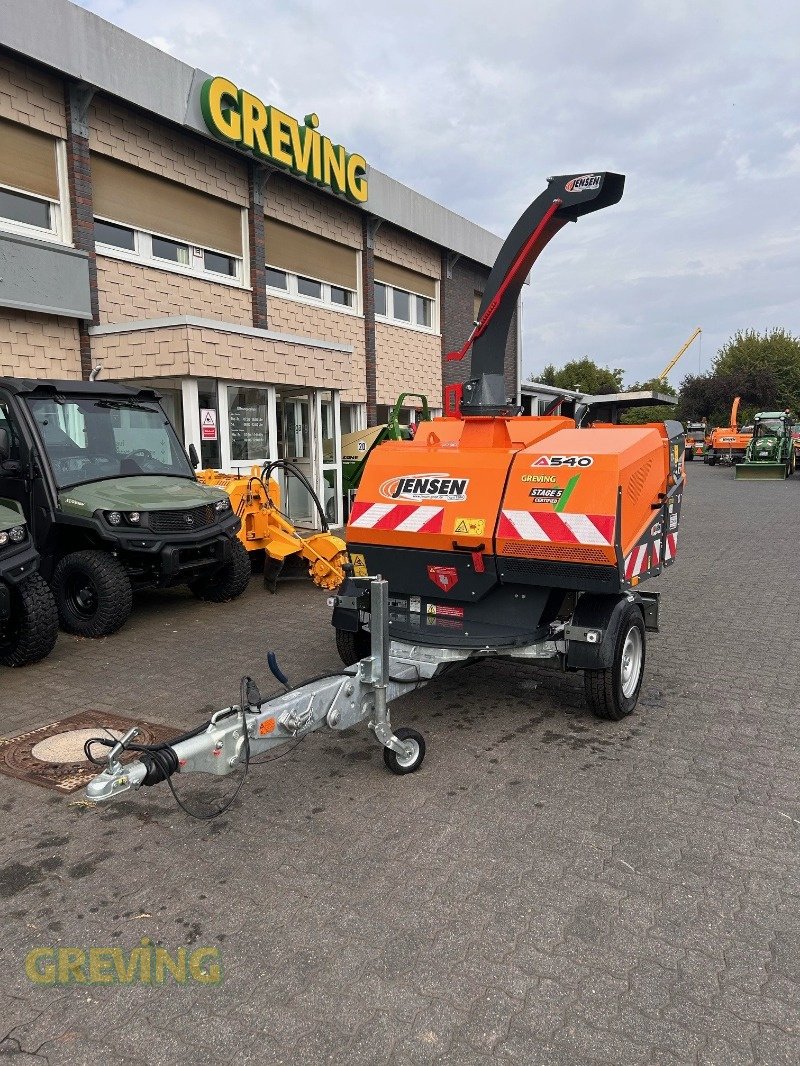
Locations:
535 488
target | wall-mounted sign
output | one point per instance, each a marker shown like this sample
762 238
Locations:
237 117
208 423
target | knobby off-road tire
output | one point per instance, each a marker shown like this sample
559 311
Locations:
229 581
352 646
33 628
93 593
613 693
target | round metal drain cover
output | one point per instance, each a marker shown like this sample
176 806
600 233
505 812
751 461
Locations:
68 747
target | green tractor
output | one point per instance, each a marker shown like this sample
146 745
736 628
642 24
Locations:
111 500
28 617
770 455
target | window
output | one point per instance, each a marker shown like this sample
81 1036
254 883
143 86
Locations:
398 305
114 236
152 250
305 266
30 210
31 165
247 423
277 279
171 250
308 287
404 296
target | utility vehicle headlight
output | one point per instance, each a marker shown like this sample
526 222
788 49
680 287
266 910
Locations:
222 505
17 534
4 539
114 517
134 518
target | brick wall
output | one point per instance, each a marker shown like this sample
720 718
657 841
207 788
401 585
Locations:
298 205
35 345
407 360
128 291
290 316
131 136
181 350
458 300
409 251
31 96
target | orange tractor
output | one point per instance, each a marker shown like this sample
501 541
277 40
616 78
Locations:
495 536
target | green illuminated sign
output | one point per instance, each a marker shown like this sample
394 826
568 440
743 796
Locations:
239 118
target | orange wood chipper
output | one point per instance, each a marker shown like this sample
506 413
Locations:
494 536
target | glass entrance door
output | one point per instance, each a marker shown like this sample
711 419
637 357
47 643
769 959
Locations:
296 447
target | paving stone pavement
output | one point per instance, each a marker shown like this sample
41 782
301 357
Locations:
548 889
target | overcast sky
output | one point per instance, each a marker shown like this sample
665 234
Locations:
474 104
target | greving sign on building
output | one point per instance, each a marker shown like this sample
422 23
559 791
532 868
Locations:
239 118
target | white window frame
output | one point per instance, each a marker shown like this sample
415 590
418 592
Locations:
143 255
389 318
292 293
60 231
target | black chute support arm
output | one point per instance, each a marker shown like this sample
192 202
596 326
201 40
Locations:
565 199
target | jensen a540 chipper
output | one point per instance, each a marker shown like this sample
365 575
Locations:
494 535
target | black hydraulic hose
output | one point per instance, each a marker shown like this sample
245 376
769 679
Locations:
287 468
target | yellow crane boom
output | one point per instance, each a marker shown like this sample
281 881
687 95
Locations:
671 364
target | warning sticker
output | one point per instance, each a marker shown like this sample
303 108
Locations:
444 610
359 565
470 527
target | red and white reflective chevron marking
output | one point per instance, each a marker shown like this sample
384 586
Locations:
671 547
401 517
563 528
643 557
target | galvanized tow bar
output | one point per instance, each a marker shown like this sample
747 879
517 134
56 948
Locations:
360 692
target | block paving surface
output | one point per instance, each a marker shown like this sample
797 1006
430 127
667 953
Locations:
547 889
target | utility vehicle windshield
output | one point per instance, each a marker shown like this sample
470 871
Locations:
91 439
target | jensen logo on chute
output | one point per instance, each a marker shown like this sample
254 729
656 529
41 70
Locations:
425 487
585 183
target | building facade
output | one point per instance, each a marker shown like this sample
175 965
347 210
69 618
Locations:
160 224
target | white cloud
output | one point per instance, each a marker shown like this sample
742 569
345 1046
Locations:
474 104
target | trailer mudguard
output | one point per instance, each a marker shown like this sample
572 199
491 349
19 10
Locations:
596 614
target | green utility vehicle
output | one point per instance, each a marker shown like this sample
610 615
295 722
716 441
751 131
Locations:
28 618
770 455
111 500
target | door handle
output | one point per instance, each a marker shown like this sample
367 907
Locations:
468 547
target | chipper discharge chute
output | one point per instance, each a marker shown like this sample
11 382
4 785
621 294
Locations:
770 455
494 535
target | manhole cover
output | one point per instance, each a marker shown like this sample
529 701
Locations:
52 755
68 747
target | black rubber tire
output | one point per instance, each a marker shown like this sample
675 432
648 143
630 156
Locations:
392 759
229 581
603 688
352 647
32 632
110 588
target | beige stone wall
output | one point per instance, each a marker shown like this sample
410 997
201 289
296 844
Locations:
290 316
407 360
35 345
134 137
397 246
128 292
31 96
181 350
299 205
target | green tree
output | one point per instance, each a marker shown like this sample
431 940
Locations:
582 375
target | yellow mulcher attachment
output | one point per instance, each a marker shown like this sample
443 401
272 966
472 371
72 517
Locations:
257 501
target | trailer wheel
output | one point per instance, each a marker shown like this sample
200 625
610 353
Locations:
93 593
614 692
406 764
352 647
32 632
229 581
